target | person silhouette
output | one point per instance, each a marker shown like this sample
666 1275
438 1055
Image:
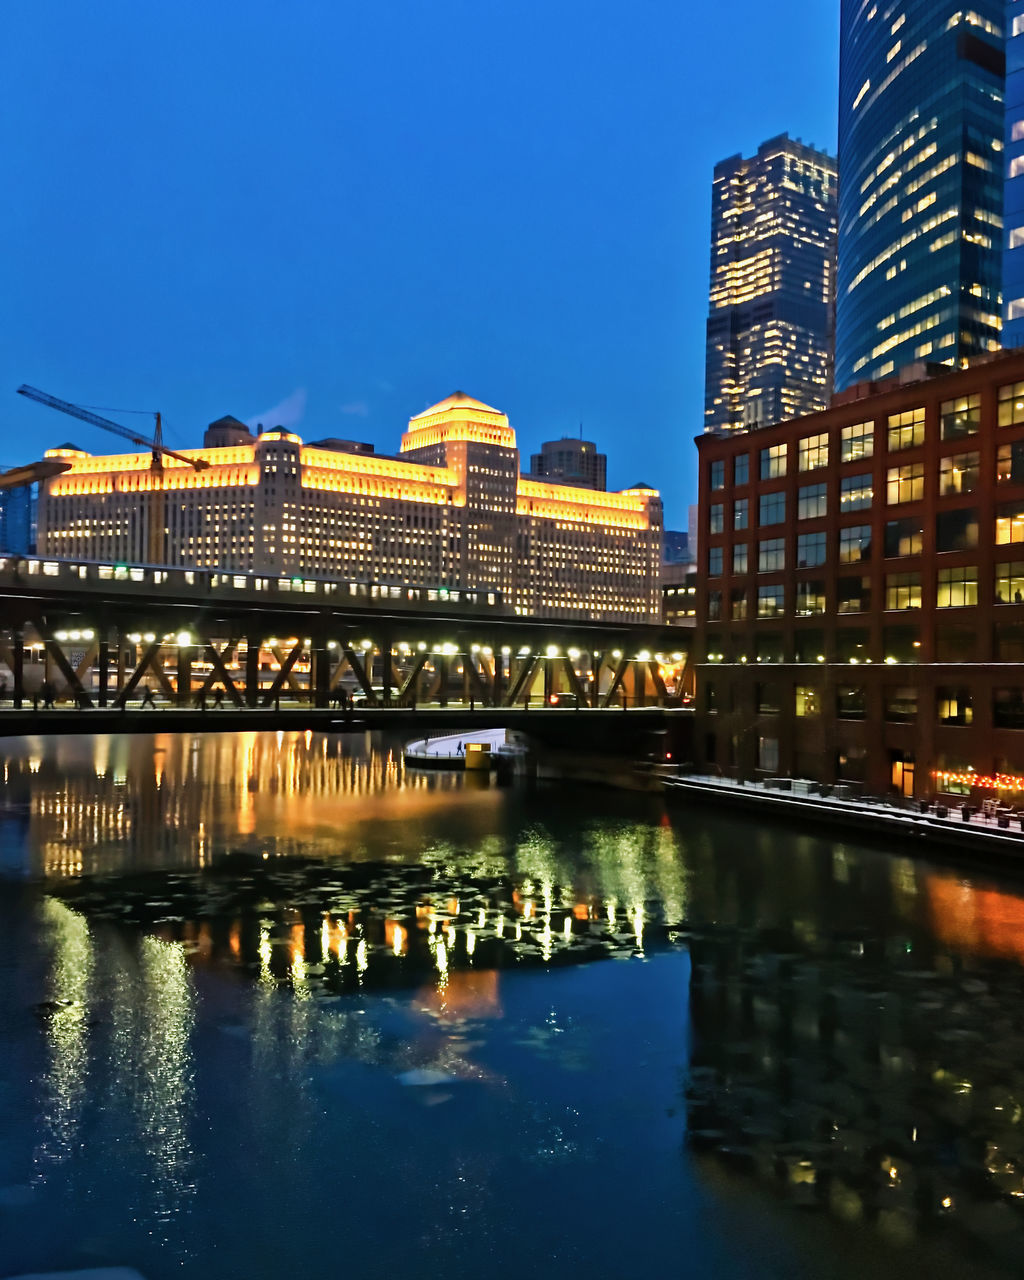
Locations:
147 698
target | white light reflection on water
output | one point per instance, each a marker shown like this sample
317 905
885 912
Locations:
67 1032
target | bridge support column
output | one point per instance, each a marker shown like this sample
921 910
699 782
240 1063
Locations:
183 682
18 669
102 669
320 675
387 675
252 671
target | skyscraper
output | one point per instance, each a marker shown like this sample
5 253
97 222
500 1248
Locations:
1013 192
921 127
773 223
571 461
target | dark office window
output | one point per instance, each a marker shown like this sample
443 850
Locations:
956 530
809 646
769 700
851 702
853 595
903 538
741 469
1008 708
717 475
901 644
1010 463
852 644
954 644
901 704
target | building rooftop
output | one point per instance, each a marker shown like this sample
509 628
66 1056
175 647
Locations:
457 400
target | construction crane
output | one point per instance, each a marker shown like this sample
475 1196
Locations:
156 551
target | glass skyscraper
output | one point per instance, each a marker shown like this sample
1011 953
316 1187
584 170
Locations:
921 124
1013 192
773 223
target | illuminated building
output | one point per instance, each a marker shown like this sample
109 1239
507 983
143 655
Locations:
451 510
571 461
773 226
860 610
921 125
1013 190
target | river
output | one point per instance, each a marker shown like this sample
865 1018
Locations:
271 1005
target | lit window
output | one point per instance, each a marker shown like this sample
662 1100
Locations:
855 493
1010 582
854 543
857 441
1011 404
770 601
960 418
903 591
813 452
959 473
773 462
808 702
906 429
1010 522
810 599
905 484
957 588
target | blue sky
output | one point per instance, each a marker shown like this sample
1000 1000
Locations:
335 214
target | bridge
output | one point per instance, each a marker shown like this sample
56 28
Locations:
93 636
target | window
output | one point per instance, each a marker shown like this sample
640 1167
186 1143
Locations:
901 704
1010 463
808 702
812 501
851 703
1010 522
906 430
768 754
771 555
956 530
903 591
959 473
741 469
810 550
771 508
1008 708
855 493
903 538
905 484
810 599
739 604
853 595
857 441
953 706
769 601
813 452
957 588
740 513
1011 404
739 558
958 418
714 561
854 543
773 462
714 606
716 518
1010 582
717 475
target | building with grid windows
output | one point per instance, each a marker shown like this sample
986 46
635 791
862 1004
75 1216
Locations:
451 510
921 126
769 331
861 613
571 461
1013 190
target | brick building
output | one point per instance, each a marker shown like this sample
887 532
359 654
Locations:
860 610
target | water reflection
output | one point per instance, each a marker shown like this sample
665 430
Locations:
857 1037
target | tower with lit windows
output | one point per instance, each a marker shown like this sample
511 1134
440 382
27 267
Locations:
921 126
773 222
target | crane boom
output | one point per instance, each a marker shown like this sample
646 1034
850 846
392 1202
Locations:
86 415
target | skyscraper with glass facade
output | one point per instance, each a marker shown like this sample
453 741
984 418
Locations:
921 124
773 221
1013 192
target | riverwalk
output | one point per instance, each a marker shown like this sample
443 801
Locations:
965 829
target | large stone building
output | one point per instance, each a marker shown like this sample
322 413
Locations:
860 616
769 330
450 510
921 127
